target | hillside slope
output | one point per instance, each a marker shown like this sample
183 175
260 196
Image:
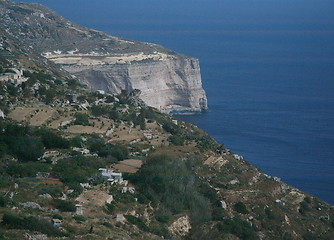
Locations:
79 164
168 80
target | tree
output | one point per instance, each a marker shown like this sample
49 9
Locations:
114 115
98 110
27 148
81 119
52 139
140 120
240 208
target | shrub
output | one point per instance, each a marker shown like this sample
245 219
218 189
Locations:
30 223
26 169
172 128
98 110
304 207
76 142
110 208
117 151
79 219
114 115
95 143
138 222
309 236
54 190
81 119
176 140
77 170
240 208
27 148
269 213
52 139
163 218
308 199
238 227
122 197
218 214
107 224
163 215
168 182
140 120
3 201
205 144
64 206
11 220
57 216
160 230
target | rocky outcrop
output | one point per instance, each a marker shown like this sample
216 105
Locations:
181 226
169 83
168 80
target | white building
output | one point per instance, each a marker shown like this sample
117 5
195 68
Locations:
83 151
111 175
2 115
78 209
16 78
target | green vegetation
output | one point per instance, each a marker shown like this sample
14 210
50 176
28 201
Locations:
54 190
171 127
176 140
304 207
27 143
99 110
30 223
122 197
81 119
98 145
20 141
76 170
238 227
52 139
79 219
64 206
110 208
3 201
240 208
26 169
138 222
170 182
140 120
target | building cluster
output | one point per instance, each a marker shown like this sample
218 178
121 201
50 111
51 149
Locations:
111 176
15 78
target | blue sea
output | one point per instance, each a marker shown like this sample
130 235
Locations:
267 68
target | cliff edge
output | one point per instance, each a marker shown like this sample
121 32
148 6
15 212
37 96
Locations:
169 81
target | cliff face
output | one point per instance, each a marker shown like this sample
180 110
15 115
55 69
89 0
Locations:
170 84
168 80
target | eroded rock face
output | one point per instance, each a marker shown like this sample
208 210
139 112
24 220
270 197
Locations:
169 83
181 226
168 80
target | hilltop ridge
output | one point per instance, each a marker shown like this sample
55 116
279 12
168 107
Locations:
168 80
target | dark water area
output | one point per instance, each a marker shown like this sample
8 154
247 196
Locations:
267 68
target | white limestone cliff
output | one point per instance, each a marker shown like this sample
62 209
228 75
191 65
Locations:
169 83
